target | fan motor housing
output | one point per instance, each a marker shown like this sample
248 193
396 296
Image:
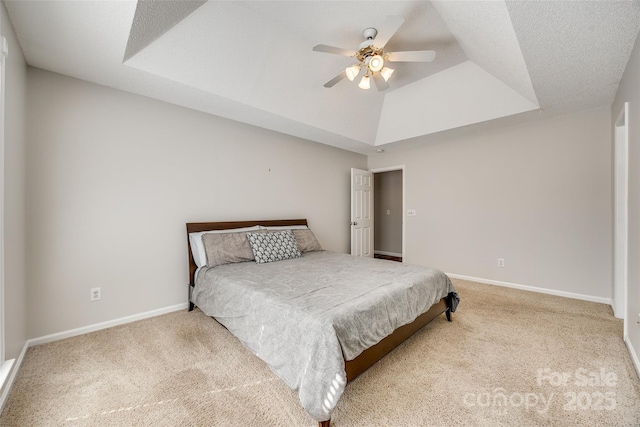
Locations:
367 51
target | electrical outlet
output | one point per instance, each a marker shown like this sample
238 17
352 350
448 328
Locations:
500 262
96 294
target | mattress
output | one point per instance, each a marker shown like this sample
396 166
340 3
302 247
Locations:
305 316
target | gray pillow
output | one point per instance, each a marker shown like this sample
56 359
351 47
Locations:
226 248
273 246
307 241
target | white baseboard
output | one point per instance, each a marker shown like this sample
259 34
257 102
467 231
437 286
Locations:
613 310
387 253
104 325
534 289
12 376
5 370
75 332
633 354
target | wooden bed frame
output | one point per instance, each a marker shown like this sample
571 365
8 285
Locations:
367 358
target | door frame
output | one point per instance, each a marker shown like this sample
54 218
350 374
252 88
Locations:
404 208
4 53
621 200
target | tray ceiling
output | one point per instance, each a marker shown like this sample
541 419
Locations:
252 61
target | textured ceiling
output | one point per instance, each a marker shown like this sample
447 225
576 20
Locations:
576 51
154 18
252 61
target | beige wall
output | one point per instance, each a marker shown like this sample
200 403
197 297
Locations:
388 198
15 304
114 177
629 91
537 194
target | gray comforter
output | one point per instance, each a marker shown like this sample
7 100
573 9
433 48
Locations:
305 316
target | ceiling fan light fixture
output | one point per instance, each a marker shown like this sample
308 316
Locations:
386 73
365 83
372 55
376 63
352 71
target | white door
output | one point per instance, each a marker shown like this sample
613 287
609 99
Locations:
361 213
621 179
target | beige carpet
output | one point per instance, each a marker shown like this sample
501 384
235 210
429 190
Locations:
481 370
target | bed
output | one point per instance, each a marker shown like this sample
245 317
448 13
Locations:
314 332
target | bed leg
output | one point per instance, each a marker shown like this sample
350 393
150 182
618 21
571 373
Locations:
324 423
191 305
448 314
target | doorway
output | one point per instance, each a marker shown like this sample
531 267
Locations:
389 213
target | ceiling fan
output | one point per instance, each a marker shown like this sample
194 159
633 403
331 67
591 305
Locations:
372 57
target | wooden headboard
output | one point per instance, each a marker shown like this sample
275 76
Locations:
194 227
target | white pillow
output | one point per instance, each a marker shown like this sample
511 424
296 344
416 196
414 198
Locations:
197 247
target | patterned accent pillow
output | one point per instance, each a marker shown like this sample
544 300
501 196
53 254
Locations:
274 246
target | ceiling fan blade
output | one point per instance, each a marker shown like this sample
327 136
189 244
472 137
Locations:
335 80
388 29
335 50
411 56
381 83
